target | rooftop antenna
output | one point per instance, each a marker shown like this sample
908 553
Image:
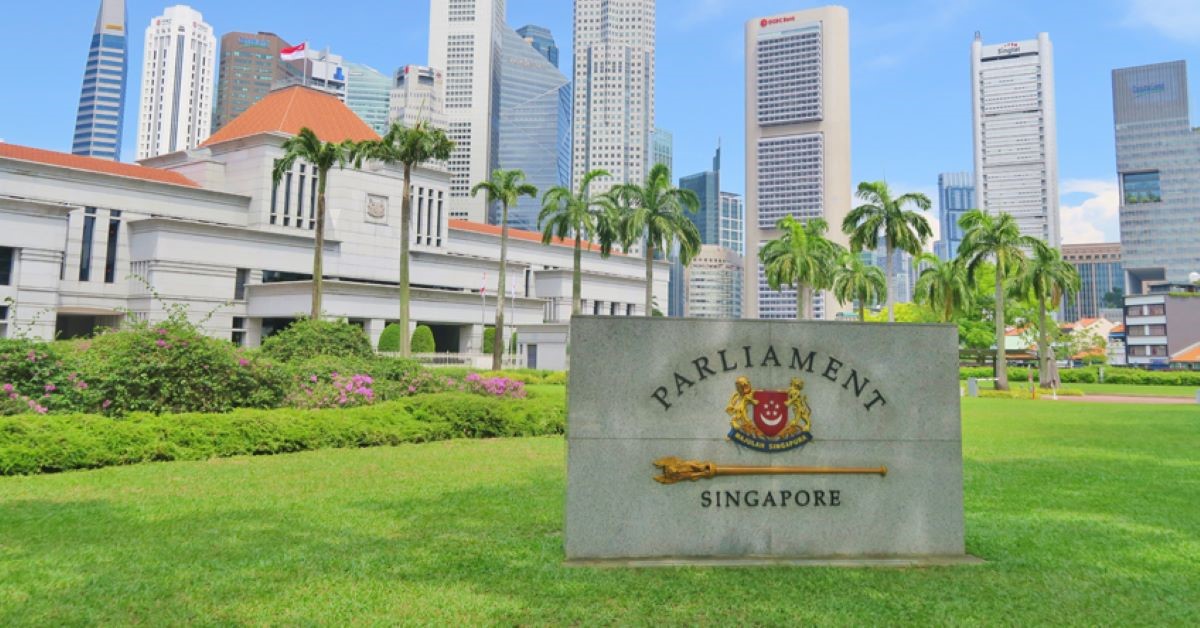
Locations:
978 36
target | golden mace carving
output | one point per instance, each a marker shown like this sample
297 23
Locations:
676 470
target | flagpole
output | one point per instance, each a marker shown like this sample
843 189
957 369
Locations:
483 313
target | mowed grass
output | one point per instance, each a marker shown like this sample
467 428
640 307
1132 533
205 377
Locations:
1087 514
1132 390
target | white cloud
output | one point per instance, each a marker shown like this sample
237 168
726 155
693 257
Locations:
1177 19
1094 219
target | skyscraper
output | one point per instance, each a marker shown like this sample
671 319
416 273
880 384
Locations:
417 95
707 188
614 90
100 119
797 138
179 70
249 69
662 149
368 94
542 41
714 284
1016 153
534 130
1158 168
464 42
1100 276
956 195
732 223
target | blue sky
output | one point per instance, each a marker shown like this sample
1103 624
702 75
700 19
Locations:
910 73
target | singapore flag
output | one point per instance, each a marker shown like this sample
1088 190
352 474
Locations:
293 53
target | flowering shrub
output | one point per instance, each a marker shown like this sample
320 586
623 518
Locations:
40 378
332 391
493 386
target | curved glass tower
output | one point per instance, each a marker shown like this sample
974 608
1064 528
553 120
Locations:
99 123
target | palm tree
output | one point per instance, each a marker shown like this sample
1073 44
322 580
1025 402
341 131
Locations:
944 286
802 257
506 188
408 147
657 215
902 229
322 156
996 237
855 280
1048 277
565 213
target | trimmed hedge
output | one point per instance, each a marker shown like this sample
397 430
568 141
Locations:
43 444
389 340
1091 375
307 338
422 340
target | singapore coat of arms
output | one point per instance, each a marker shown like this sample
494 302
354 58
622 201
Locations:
769 420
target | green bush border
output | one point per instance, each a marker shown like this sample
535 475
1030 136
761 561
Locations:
44 444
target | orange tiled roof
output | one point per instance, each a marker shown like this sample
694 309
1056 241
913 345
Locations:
1191 354
92 164
1087 322
521 234
290 109
1119 329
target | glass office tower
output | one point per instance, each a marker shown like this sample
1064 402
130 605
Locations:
100 119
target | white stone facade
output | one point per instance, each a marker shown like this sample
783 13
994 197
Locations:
228 247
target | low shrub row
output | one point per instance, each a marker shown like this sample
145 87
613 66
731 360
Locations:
1091 375
51 443
1023 393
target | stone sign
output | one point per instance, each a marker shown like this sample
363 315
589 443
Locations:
753 440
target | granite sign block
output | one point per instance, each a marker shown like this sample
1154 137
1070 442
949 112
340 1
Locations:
740 440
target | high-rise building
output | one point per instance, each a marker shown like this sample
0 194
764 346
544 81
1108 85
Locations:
662 148
250 68
714 284
100 119
797 138
1016 150
534 131
542 41
956 195
179 71
707 188
417 95
368 94
321 70
614 90
1158 169
1101 280
732 223
464 42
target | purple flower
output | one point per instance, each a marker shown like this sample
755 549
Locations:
473 377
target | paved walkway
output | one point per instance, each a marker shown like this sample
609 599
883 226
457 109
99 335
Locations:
1124 399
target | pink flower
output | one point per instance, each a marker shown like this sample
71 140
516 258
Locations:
8 388
243 362
106 404
50 388
412 389
160 342
31 356
312 378
12 395
161 331
82 385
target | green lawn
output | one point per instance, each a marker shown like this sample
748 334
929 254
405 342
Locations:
1131 390
1087 514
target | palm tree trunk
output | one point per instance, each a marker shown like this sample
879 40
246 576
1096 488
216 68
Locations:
891 282
862 310
1001 356
649 277
405 227
577 278
803 298
498 339
1044 375
318 248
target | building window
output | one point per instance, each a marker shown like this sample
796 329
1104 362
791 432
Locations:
1156 309
239 331
1141 187
239 284
110 247
85 251
596 308
7 255
1133 310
